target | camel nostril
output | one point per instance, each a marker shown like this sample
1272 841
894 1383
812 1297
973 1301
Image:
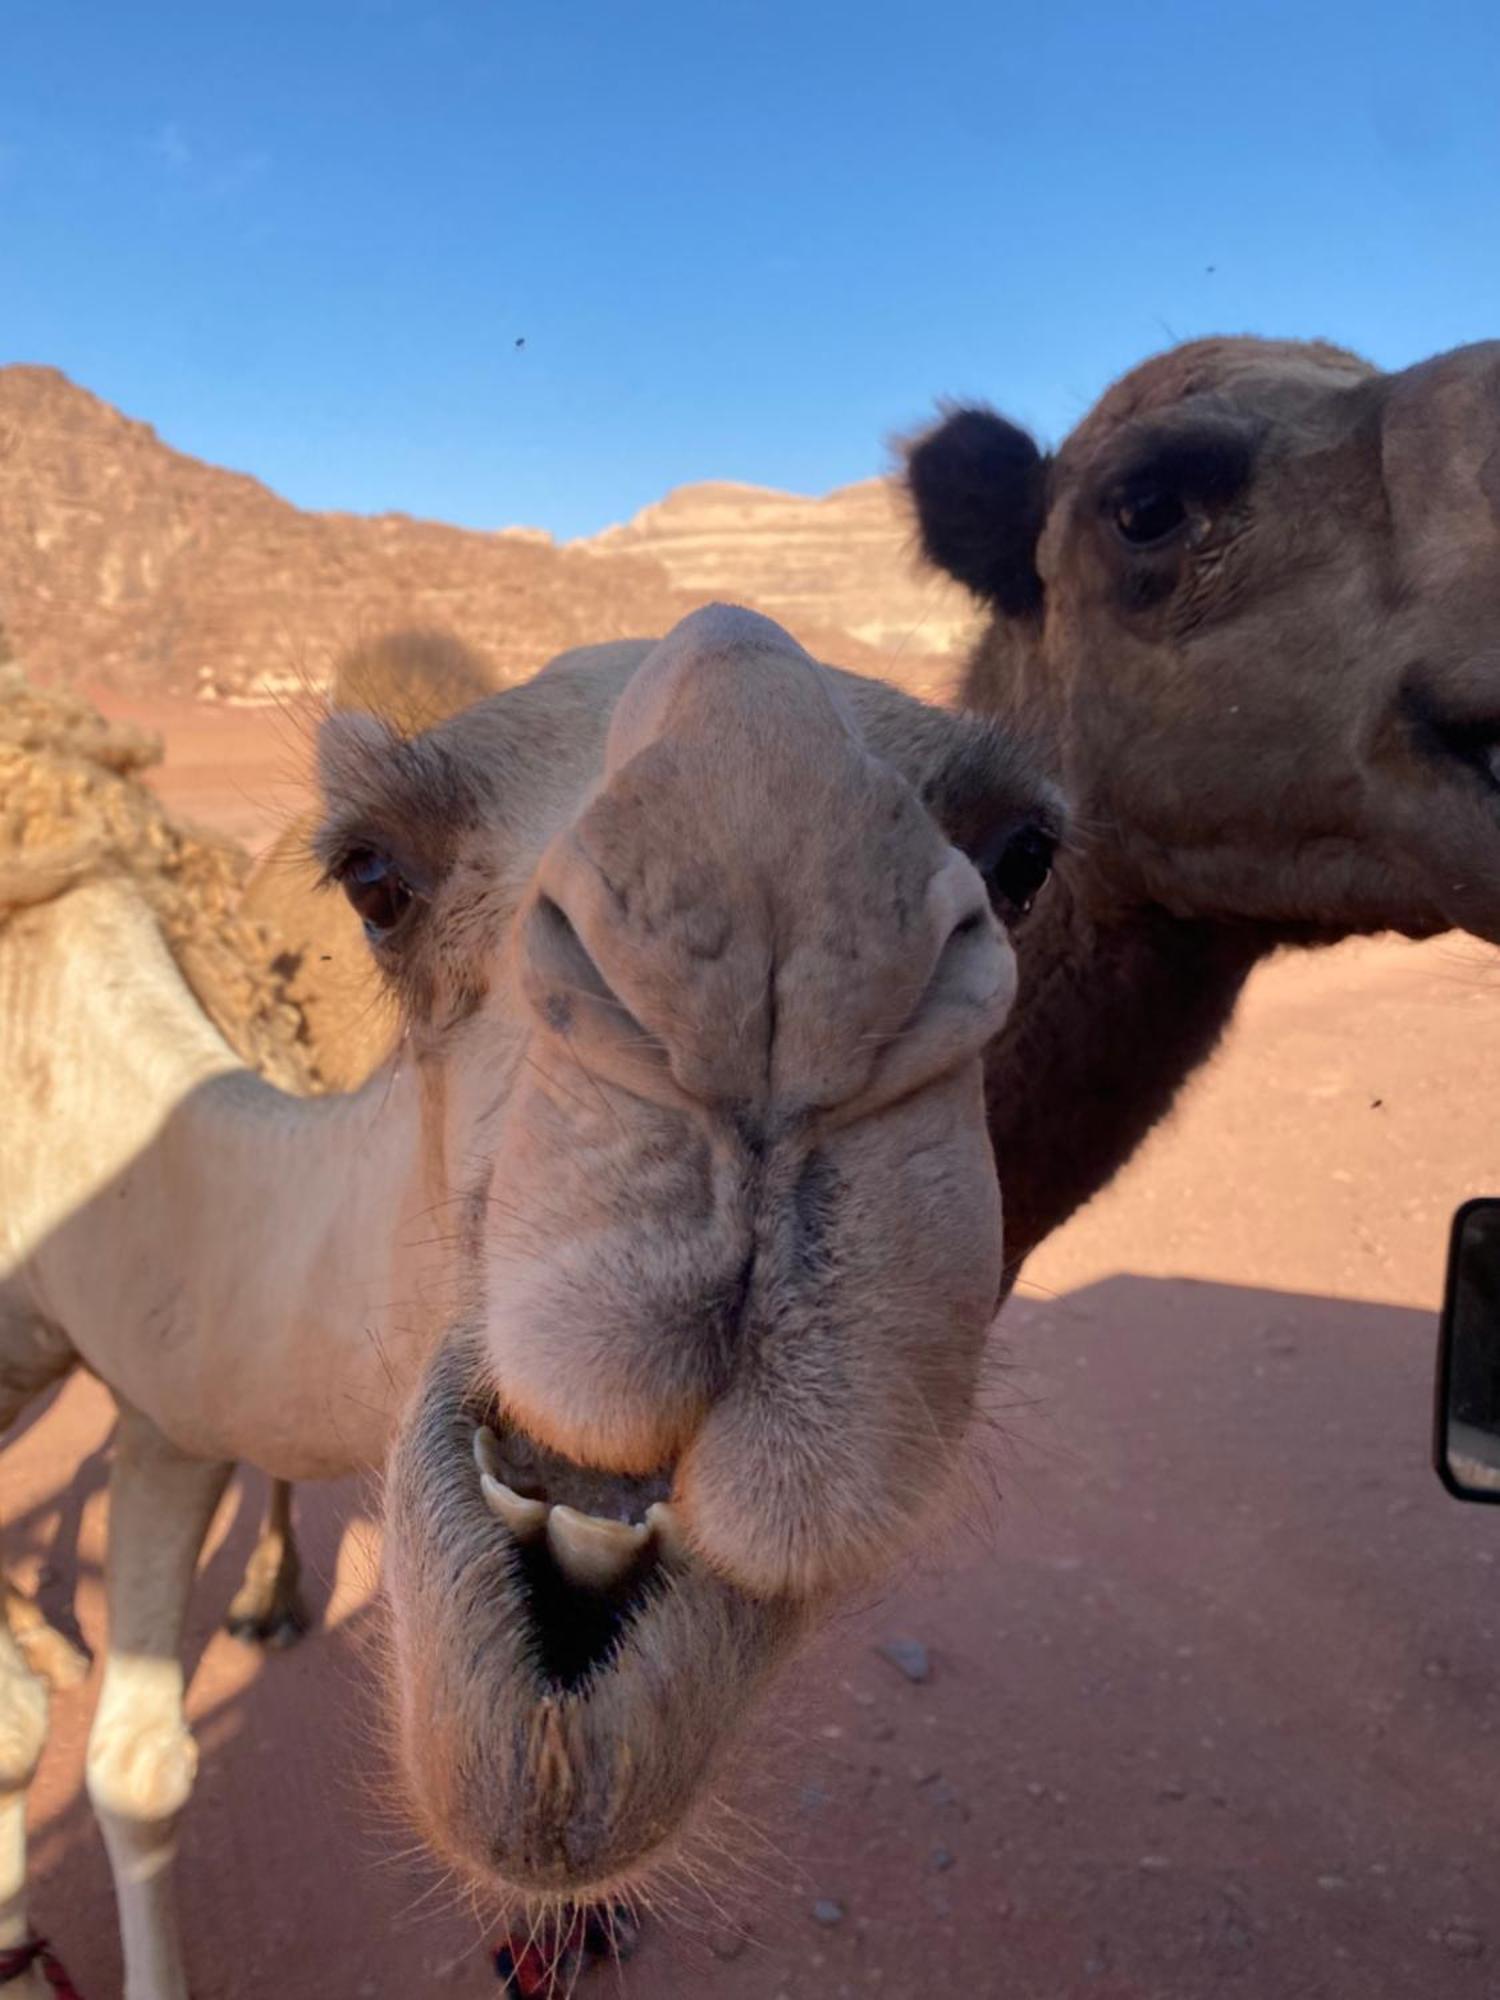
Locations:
1017 873
561 965
557 937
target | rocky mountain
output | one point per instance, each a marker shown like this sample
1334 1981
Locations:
844 560
125 563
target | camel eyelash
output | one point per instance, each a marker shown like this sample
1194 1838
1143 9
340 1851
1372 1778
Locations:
1208 468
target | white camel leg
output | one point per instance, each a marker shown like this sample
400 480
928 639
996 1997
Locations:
23 1736
141 1758
32 1357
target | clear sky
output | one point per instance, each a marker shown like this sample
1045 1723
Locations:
304 237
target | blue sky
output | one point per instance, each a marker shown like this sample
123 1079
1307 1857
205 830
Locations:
303 237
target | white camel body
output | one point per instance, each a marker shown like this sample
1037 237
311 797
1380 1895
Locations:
295 1362
683 1156
279 1348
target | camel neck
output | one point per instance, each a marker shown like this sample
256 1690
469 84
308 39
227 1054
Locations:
1118 1006
320 1297
250 1269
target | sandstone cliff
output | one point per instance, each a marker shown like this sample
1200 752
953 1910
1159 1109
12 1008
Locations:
128 564
844 560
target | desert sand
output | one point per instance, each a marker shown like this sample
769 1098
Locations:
1212 1667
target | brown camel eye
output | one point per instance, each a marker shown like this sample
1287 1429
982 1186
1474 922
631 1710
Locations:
375 890
1019 872
1148 516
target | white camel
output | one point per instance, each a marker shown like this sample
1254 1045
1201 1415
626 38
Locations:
657 1269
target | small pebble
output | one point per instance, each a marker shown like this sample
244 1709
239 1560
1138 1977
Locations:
827 1911
907 1656
1154 1864
941 1859
1464 1944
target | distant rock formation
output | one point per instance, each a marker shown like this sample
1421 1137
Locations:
125 563
845 560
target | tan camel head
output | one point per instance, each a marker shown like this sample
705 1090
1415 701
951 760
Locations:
1253 605
698 983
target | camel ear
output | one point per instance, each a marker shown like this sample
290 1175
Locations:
979 486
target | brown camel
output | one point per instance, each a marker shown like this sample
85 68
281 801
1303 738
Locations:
1249 613
657 1268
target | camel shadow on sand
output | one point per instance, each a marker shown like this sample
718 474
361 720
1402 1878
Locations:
1213 1693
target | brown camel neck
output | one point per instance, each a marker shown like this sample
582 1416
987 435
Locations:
1118 1006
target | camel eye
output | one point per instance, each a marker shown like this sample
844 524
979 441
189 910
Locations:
377 893
1148 517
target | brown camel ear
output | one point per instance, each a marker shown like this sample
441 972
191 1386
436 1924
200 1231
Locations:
979 486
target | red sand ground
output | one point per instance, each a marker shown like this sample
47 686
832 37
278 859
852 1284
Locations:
1214 1702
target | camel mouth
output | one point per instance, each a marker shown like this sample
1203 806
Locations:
568 1675
590 1546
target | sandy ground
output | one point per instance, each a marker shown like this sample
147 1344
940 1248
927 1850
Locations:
1214 1691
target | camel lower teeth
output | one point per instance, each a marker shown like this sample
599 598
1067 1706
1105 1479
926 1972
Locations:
591 1551
666 1530
1492 759
525 1518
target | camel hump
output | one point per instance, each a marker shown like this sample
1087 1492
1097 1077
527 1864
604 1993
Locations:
412 679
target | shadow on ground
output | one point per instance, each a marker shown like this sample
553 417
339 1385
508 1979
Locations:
1213 1706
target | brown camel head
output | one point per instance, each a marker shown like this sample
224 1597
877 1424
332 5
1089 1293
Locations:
697 980
1252 610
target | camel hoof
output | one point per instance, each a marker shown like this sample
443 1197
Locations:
274 1630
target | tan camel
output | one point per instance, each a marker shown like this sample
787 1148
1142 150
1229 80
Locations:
666 1333
1250 615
